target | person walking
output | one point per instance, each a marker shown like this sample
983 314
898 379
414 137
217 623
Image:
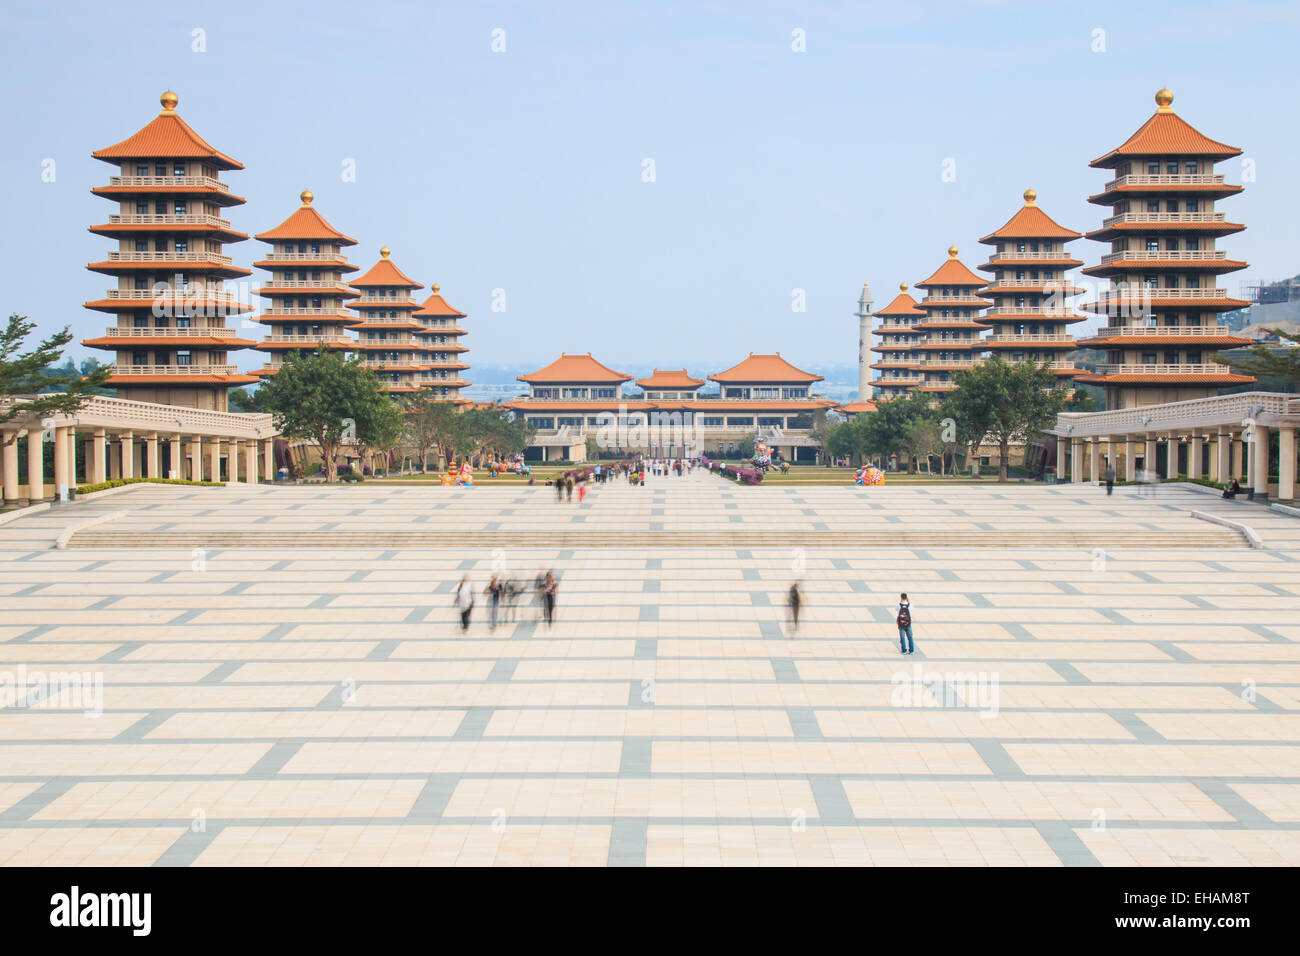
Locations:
539 594
568 488
1110 478
493 592
550 588
794 600
559 488
464 601
903 617
582 492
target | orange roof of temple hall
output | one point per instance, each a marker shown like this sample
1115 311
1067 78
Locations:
765 368
305 223
167 135
670 378
856 408
384 273
903 304
575 368
436 305
1030 222
1166 133
952 272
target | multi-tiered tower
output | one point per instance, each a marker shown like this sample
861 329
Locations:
386 332
171 341
440 335
306 287
864 337
899 340
951 325
1163 304
1030 291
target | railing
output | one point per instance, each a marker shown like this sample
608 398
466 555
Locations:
385 301
1057 284
1166 179
1160 292
271 284
1176 255
206 182
169 257
329 256
325 337
1215 410
1143 218
937 301
1204 368
1057 310
1029 338
216 332
190 292
1165 331
118 369
1028 256
306 310
164 220
124 414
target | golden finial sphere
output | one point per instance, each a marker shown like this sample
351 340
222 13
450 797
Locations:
952 252
169 100
902 287
436 287
383 253
306 196
1164 97
1030 196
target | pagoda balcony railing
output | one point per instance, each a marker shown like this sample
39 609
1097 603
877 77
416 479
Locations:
900 380
326 337
1165 331
1029 337
1166 179
170 257
207 182
1160 292
327 256
1063 311
947 364
405 343
1203 368
944 301
322 309
303 284
1181 255
370 301
400 364
119 369
1061 366
188 292
1057 283
213 332
1028 256
1144 218
197 219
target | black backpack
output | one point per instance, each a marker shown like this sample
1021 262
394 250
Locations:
905 616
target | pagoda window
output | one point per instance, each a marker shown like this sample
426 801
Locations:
1193 205
181 207
1020 273
1193 357
1151 282
1193 243
315 275
1033 273
1153 205
141 282
1020 247
1171 167
315 248
1153 167
160 322
162 358
140 322
1153 243
1171 356
140 358
738 420
178 169
1190 167
302 275
1171 205
142 209
1171 282
770 421
142 169
315 302
182 245
142 245
767 392
1193 282
1148 358
182 322
1171 244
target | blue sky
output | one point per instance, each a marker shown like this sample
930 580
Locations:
522 170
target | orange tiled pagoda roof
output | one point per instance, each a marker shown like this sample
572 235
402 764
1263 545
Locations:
436 305
854 408
1030 222
575 368
670 378
305 223
902 305
952 272
385 273
765 368
1166 133
167 135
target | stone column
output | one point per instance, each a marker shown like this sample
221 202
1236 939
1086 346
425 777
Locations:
62 461
176 467
1094 460
214 454
268 458
1076 460
1235 464
232 460
1149 456
152 460
35 465
1194 455
1222 456
196 458
71 439
113 455
1260 461
1130 459
10 466
127 454
250 462
1286 464
98 458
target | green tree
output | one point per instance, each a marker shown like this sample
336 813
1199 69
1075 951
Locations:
380 425
1280 365
29 389
242 400
1009 403
323 397
820 432
886 429
922 439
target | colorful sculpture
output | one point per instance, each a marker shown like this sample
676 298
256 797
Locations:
870 476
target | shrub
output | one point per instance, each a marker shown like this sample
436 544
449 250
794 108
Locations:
119 482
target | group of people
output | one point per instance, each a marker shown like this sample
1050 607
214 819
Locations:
902 617
503 596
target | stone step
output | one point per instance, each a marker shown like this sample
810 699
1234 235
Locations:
732 538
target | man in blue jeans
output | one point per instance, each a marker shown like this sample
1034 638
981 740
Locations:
903 616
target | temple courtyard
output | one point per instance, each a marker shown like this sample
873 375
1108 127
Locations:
276 675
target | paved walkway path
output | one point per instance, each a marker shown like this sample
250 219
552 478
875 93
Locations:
290 706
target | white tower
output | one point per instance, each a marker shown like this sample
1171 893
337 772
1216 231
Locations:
864 337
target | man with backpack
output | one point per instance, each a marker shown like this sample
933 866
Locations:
903 616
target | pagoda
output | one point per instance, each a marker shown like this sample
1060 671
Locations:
305 287
440 334
171 342
899 355
386 330
1163 304
1029 289
951 324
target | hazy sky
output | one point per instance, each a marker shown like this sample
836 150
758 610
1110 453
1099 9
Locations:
524 170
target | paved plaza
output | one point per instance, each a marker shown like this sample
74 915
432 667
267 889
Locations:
1098 680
